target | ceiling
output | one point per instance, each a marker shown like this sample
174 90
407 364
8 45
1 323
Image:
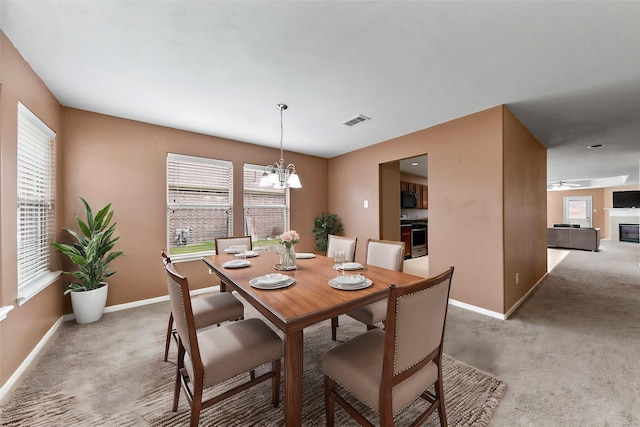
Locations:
570 71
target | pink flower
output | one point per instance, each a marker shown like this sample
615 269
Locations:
289 238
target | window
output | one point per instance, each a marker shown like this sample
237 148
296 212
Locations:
266 209
36 199
199 203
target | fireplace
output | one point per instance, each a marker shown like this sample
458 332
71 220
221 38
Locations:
629 233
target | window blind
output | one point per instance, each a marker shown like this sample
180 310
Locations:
199 202
266 209
36 196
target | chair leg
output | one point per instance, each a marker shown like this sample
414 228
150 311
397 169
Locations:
197 405
275 383
168 340
440 396
334 328
179 366
329 386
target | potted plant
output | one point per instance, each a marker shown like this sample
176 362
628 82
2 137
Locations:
324 225
91 253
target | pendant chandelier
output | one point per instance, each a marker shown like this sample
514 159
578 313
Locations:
277 175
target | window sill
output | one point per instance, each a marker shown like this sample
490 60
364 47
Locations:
4 311
28 291
195 256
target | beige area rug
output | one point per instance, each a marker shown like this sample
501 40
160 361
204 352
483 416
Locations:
111 373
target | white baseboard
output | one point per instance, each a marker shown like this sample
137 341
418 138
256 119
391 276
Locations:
526 296
13 379
477 309
495 314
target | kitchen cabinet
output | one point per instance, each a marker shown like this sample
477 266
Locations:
405 233
424 200
422 191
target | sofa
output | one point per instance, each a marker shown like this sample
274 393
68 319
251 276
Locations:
572 237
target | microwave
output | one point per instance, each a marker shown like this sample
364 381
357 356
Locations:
408 199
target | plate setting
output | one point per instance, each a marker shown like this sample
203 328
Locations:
272 281
350 266
350 283
248 254
305 255
236 263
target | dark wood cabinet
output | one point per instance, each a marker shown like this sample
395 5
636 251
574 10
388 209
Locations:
422 191
405 233
424 202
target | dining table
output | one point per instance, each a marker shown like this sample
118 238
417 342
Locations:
307 300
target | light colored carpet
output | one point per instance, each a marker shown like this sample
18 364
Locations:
111 373
570 352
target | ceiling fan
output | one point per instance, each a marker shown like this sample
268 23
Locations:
561 185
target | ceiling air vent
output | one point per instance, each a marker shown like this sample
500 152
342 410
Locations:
357 119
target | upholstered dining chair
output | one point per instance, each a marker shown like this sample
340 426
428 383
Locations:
389 370
381 253
342 243
208 310
223 243
207 357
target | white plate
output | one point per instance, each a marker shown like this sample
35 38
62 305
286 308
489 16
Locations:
351 266
236 263
271 279
336 285
350 280
232 250
288 282
248 254
305 255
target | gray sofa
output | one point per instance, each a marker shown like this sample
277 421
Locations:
574 238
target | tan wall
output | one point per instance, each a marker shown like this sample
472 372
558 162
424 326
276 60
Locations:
525 196
465 200
107 159
25 325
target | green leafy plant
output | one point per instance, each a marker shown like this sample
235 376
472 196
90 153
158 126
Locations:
324 225
91 250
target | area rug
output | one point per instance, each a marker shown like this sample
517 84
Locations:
111 373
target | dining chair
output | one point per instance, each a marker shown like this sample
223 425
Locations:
207 357
208 310
389 370
223 243
342 243
381 253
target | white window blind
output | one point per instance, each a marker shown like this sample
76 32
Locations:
266 209
199 202
36 196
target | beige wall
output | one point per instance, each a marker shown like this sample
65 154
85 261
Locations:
525 195
25 325
466 210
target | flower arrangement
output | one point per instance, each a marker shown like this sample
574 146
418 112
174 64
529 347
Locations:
289 238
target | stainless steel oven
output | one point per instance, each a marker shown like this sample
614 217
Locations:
418 239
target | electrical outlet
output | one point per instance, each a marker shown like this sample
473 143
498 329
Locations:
517 278
366 204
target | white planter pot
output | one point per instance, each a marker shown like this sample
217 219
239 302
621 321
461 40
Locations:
88 306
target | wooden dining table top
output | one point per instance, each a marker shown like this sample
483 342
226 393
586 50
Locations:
310 299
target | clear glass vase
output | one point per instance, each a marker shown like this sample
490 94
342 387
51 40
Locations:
287 257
